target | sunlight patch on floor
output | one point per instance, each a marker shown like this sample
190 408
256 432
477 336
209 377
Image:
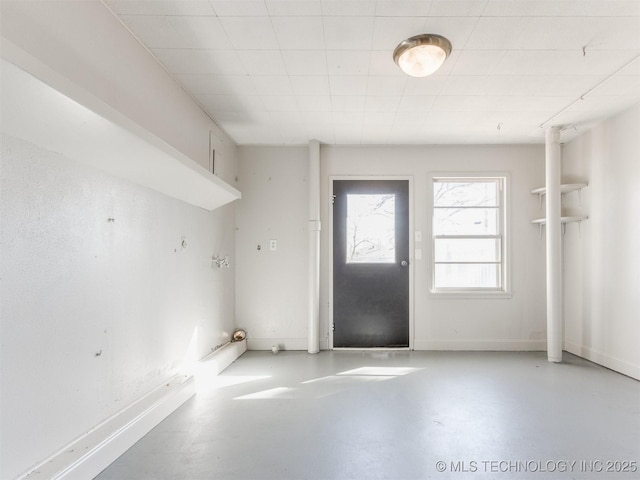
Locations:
209 383
380 371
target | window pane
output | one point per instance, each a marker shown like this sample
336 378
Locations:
371 228
455 194
467 250
467 276
465 221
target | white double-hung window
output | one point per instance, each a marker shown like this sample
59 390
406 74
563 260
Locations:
469 243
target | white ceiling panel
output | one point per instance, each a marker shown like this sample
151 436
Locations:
457 8
378 118
286 71
279 103
178 31
432 85
576 33
317 118
632 67
596 103
310 84
227 103
417 103
380 103
355 8
497 33
562 8
348 85
272 85
314 103
348 33
384 86
296 8
348 134
465 85
343 62
299 33
239 8
250 33
381 64
203 62
402 8
543 85
302 62
558 62
285 119
456 29
218 84
160 7
262 62
347 103
390 31
344 118
622 85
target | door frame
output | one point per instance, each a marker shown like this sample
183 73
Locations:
409 178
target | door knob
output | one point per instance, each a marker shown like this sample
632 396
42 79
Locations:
404 263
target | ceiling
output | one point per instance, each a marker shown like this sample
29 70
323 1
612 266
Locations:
282 72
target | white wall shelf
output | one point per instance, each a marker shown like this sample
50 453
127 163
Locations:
564 188
105 139
564 220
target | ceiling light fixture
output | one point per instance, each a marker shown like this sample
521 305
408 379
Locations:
422 55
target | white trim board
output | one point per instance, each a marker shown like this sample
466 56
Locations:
482 345
214 363
282 343
92 452
603 359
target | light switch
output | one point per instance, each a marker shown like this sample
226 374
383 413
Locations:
418 236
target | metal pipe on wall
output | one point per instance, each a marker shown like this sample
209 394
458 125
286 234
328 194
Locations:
553 172
314 247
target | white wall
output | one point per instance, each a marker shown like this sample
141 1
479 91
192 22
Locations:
271 291
96 313
75 285
602 256
453 323
271 286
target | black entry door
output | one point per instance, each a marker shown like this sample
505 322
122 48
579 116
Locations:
371 263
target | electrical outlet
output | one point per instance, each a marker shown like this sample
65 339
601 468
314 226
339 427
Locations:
273 245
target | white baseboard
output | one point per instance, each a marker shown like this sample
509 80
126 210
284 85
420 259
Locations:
217 361
613 363
87 456
479 345
283 343
482 345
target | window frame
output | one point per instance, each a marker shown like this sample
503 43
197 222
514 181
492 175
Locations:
504 288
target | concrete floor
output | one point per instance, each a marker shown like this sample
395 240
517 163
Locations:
398 415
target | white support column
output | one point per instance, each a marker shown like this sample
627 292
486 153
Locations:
314 246
553 168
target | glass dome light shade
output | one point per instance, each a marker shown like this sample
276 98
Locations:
422 55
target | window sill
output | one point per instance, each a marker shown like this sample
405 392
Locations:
458 294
